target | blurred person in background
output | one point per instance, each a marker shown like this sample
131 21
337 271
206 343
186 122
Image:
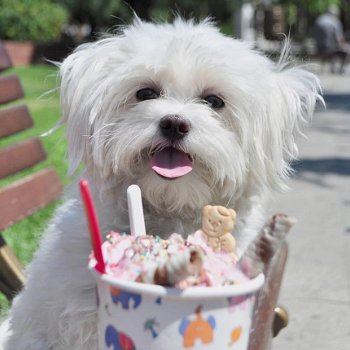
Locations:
330 40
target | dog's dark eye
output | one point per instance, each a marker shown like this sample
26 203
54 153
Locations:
147 94
214 101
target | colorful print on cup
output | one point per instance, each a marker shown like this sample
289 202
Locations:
197 330
118 340
150 325
119 296
235 335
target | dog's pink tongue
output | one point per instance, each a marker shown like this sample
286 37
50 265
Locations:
171 163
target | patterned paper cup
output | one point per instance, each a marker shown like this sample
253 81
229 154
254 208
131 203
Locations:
137 316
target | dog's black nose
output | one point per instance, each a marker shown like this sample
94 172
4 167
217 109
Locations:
174 127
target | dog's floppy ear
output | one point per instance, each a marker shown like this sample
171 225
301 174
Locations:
290 102
76 73
84 85
299 90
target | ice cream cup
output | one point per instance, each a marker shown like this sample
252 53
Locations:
138 316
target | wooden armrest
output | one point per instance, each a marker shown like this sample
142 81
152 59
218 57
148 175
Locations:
11 275
266 300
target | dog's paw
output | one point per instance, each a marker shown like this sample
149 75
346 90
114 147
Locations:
266 247
266 244
280 225
273 235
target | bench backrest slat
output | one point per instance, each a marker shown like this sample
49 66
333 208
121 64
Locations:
26 196
14 119
10 89
20 156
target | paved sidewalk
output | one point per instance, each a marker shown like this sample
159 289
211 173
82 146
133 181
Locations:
316 286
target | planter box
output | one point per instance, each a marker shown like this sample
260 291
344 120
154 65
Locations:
24 53
21 52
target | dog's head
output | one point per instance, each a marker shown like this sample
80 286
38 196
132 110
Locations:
188 114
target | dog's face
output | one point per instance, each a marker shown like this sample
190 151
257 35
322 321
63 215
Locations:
186 113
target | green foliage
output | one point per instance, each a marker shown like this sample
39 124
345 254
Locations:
34 20
314 7
99 14
219 9
104 15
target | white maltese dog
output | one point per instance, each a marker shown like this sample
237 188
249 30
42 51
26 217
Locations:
191 116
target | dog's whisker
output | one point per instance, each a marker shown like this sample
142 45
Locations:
104 127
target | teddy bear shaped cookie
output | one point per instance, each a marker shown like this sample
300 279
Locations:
217 226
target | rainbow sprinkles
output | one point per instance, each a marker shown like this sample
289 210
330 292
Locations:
205 258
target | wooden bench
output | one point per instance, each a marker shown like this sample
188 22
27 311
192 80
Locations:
21 198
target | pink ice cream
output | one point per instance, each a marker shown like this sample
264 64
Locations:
179 262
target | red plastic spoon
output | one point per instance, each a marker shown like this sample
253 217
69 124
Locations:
95 233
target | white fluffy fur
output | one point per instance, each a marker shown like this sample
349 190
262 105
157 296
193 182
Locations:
240 152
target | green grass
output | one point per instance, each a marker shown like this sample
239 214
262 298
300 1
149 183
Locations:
39 84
